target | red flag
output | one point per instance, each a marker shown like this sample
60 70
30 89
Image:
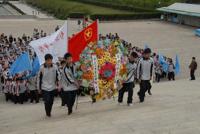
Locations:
78 42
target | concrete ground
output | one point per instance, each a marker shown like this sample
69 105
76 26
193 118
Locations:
173 109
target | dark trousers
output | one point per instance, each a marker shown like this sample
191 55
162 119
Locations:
82 91
192 74
70 98
34 96
171 76
22 98
26 96
61 94
7 96
19 98
145 85
15 99
164 74
48 97
10 96
158 77
127 87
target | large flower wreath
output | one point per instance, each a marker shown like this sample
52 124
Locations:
105 51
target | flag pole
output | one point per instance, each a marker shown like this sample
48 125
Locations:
77 101
97 30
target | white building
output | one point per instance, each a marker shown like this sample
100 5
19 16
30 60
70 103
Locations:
182 13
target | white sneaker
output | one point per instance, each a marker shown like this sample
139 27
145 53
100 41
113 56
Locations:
130 104
120 104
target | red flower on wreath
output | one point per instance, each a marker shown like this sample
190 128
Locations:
107 71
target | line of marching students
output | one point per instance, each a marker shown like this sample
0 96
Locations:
19 91
50 78
51 81
141 70
62 78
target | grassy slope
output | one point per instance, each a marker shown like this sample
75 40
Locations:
62 9
143 3
71 6
96 9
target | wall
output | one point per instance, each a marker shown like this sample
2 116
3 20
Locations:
190 20
183 19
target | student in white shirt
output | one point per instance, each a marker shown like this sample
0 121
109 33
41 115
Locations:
171 70
144 73
48 80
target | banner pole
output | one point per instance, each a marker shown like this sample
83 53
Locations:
77 101
97 30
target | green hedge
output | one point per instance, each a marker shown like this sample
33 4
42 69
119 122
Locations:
115 6
62 10
135 4
108 17
77 15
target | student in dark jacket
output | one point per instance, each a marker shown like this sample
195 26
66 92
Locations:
193 68
69 83
61 93
128 85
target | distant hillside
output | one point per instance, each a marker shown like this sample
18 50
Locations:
150 4
63 9
193 1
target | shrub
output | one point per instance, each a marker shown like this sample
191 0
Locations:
63 9
107 17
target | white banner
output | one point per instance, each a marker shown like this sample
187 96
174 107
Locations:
117 69
55 44
96 73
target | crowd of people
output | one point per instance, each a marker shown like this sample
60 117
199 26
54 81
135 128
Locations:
159 71
17 89
142 62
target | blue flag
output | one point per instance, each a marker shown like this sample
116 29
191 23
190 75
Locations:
161 59
36 66
164 63
21 64
197 32
177 66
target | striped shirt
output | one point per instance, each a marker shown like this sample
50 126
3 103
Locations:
68 78
131 67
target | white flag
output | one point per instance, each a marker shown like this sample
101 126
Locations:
55 44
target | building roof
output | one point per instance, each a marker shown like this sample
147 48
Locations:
182 8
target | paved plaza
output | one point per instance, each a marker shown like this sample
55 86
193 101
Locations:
173 108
